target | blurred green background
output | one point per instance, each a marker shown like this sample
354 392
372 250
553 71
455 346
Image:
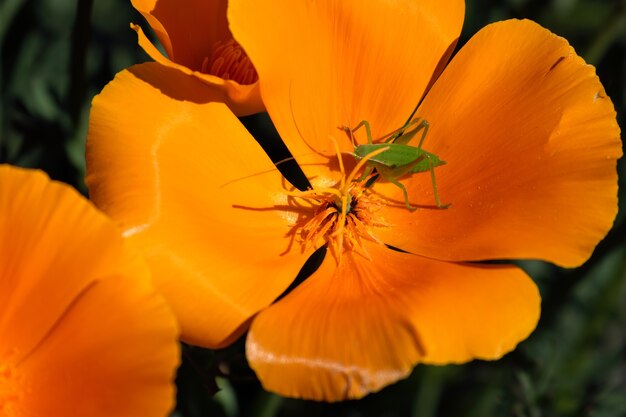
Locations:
57 54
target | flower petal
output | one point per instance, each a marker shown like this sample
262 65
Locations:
189 31
352 329
114 353
83 332
33 228
531 142
330 63
241 99
198 197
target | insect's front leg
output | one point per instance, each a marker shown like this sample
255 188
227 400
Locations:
368 130
366 173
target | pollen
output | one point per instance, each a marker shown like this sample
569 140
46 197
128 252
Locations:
343 222
229 61
344 216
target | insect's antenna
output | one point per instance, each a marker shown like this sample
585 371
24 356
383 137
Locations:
406 124
246 177
262 128
293 116
282 161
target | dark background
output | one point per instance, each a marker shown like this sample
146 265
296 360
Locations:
57 54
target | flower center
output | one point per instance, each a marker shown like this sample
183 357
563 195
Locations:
230 62
343 216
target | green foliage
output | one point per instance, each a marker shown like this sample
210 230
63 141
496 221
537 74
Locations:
56 55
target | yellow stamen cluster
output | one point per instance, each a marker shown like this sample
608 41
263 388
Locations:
344 216
230 62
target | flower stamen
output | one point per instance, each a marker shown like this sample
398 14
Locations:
344 213
229 61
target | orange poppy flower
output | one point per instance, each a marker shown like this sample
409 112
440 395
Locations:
529 137
82 331
198 42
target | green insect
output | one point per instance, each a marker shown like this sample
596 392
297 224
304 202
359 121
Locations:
399 159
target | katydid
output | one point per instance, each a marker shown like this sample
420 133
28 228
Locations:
399 159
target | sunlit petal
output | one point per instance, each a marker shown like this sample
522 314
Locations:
198 197
82 331
330 63
531 143
352 329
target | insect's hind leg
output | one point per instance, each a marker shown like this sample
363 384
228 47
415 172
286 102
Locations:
404 138
424 125
431 168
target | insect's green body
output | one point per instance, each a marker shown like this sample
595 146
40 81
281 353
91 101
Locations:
398 159
398 156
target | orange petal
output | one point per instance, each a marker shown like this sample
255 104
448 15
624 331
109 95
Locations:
189 31
331 63
83 332
189 34
113 353
198 197
352 329
241 99
36 240
531 142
